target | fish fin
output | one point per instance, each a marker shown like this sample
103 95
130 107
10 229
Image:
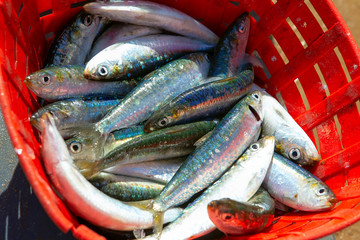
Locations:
158 223
248 61
139 233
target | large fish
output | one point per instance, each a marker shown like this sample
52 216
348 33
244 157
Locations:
295 187
207 100
139 56
80 195
239 218
120 32
58 83
237 130
74 43
154 15
240 183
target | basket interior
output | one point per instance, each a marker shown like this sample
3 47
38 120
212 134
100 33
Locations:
312 68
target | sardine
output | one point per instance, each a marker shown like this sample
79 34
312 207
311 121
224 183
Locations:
139 56
120 32
80 195
207 100
58 83
230 50
230 138
73 113
297 188
154 15
291 140
239 218
74 43
240 183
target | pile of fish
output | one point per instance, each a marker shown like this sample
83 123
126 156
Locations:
147 110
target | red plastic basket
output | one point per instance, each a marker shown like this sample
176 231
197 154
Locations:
312 66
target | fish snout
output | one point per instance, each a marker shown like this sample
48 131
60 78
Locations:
27 81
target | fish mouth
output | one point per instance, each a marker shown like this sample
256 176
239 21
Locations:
27 81
34 122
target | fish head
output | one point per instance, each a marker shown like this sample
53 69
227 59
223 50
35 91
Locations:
222 213
44 82
161 119
314 195
89 24
254 102
295 147
100 67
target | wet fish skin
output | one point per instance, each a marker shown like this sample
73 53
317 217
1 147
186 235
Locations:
209 99
59 83
237 130
79 195
240 182
120 32
154 15
230 50
297 188
173 142
72 113
291 140
139 56
75 41
239 218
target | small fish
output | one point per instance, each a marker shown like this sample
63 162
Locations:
297 188
126 188
291 140
207 100
239 218
173 78
120 32
230 138
139 56
72 113
81 196
74 43
177 141
230 50
153 14
58 83
240 183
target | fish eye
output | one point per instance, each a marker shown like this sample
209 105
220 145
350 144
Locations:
45 80
256 96
162 122
294 154
227 216
254 146
242 28
103 71
87 20
75 147
321 191
207 58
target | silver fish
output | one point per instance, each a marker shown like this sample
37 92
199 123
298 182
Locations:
80 195
154 15
120 32
139 56
295 187
74 43
239 183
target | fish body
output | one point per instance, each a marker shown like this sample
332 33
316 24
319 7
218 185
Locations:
230 50
139 56
177 141
240 183
153 14
237 130
207 100
120 32
297 188
71 113
74 43
59 83
80 195
291 140
239 218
